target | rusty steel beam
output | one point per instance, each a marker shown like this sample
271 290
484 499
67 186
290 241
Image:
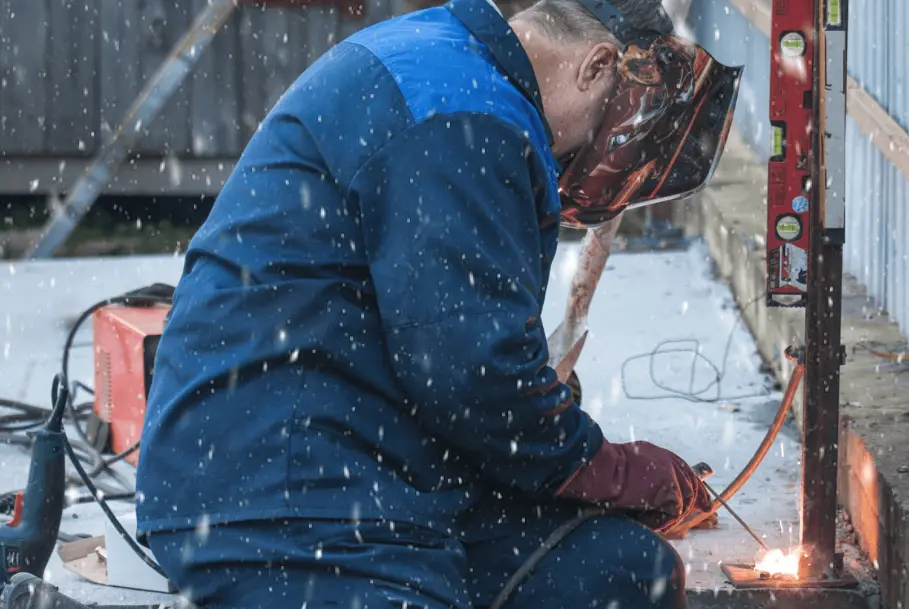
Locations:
823 357
824 353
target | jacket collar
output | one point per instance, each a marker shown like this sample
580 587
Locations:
483 19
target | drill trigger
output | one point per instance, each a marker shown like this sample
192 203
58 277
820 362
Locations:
17 511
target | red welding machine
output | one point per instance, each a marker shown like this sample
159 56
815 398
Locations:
125 341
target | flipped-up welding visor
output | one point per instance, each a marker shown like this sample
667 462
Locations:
663 130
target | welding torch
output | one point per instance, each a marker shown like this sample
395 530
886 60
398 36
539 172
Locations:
704 471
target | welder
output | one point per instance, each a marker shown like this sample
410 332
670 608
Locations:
351 403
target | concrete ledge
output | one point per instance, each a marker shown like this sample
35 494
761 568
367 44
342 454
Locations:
874 430
778 599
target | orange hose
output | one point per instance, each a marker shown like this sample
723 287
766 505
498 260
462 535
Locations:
900 357
759 455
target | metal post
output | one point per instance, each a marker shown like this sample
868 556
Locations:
148 104
822 400
823 350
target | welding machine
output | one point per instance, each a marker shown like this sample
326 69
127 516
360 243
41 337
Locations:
125 340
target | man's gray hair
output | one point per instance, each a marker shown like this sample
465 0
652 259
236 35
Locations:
569 21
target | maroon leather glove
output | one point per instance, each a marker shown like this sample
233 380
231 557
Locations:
650 483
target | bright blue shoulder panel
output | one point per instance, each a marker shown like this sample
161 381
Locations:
453 73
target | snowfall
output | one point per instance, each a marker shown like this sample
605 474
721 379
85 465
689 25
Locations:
643 301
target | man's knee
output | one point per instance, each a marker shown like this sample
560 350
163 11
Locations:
621 564
606 563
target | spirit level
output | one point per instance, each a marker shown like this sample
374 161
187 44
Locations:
790 185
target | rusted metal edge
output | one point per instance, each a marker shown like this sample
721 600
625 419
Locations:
887 135
744 577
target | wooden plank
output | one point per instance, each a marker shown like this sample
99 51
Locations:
119 61
252 71
5 78
162 23
214 95
6 73
301 54
884 132
277 49
376 11
322 30
72 113
887 135
24 86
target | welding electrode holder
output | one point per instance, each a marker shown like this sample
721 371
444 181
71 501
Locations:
796 354
702 470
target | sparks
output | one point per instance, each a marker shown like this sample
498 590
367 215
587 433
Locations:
778 562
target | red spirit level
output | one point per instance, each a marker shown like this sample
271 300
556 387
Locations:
807 123
790 182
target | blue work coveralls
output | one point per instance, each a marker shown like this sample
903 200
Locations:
351 404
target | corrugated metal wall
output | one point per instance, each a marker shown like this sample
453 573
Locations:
877 232
733 39
877 248
69 69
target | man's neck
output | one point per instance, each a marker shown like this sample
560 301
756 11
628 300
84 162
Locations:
550 59
546 56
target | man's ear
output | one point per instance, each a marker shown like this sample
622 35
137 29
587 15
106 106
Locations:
600 63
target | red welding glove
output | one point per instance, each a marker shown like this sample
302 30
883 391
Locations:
649 483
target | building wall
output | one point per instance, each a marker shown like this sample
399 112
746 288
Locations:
70 70
877 232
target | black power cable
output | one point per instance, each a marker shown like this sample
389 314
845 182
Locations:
692 394
107 511
26 417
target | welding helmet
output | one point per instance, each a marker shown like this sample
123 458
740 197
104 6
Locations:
663 129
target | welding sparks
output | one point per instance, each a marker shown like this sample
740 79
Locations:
780 563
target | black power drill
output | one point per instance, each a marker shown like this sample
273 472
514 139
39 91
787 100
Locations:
27 541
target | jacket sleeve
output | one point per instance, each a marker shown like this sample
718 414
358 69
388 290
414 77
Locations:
450 214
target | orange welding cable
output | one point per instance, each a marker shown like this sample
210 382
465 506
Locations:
761 452
896 357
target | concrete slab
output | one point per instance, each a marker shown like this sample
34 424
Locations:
778 599
644 299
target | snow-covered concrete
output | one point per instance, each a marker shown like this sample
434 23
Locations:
643 299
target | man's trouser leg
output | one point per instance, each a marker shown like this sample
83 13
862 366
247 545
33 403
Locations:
291 564
606 562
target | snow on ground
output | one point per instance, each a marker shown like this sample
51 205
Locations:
643 299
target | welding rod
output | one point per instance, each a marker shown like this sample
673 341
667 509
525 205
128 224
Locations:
736 516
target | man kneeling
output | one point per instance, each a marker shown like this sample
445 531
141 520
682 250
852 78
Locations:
351 402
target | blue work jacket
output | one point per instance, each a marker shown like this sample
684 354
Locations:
356 333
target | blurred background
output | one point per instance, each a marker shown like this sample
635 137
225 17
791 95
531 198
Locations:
71 69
